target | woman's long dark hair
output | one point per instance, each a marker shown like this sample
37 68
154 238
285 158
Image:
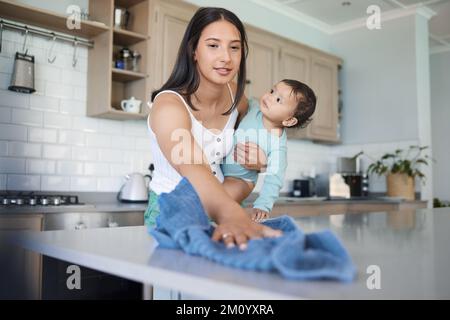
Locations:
185 78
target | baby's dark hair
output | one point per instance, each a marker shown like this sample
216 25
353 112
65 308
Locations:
306 102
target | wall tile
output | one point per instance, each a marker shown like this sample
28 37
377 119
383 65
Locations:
72 107
57 90
98 140
44 71
12 165
143 144
120 169
42 135
14 99
110 126
56 152
85 124
111 184
121 142
83 184
135 128
57 121
71 137
2 181
5 79
79 93
24 150
69 168
5 114
110 155
73 78
13 132
96 169
3 148
40 166
6 63
55 183
23 182
44 103
84 154
27 117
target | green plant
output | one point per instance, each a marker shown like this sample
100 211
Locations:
401 161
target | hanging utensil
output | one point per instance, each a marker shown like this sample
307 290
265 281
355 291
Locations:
22 79
49 58
24 47
74 59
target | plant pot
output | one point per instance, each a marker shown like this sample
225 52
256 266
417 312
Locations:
400 185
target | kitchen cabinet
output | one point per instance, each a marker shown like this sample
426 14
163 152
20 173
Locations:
324 75
21 269
169 24
107 85
263 51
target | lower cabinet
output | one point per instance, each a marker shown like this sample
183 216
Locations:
20 269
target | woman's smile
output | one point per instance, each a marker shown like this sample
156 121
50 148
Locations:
223 71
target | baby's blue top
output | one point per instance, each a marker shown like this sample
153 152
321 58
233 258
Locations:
251 129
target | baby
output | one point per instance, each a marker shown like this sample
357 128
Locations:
289 103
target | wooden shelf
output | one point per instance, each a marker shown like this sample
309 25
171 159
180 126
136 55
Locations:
126 75
126 38
127 3
116 114
47 19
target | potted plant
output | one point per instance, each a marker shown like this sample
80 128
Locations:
401 168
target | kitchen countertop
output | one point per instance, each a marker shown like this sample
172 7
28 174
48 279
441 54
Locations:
112 205
410 248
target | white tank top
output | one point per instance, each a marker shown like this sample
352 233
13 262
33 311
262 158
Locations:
214 146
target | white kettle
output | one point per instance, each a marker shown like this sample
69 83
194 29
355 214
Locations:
135 188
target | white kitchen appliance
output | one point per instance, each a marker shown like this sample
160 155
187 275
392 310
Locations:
135 188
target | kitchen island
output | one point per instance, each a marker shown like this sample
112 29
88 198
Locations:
406 250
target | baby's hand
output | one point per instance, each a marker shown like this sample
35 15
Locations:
259 215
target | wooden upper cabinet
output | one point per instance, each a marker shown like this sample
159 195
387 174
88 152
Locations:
324 77
170 24
295 64
261 64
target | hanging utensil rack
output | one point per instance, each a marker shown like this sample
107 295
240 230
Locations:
44 33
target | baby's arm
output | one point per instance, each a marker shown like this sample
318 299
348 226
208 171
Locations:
273 180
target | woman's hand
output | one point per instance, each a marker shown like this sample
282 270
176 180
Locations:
259 215
237 229
250 156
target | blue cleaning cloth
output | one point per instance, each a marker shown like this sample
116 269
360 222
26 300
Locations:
183 224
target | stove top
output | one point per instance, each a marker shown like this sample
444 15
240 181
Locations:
31 199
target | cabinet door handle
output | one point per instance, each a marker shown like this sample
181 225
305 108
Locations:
248 81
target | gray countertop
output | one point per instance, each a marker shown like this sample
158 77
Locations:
410 248
108 204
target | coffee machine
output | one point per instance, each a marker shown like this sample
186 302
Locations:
348 181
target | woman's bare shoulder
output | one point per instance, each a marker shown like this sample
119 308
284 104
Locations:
168 106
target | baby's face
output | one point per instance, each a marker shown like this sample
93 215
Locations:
278 104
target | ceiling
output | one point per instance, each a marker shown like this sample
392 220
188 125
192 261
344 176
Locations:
331 15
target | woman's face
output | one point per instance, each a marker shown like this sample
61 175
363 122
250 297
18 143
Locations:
218 52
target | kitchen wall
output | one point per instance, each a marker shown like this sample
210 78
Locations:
440 114
47 142
385 81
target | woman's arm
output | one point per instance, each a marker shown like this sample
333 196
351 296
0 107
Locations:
169 121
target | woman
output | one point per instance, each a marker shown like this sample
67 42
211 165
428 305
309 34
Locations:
200 104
